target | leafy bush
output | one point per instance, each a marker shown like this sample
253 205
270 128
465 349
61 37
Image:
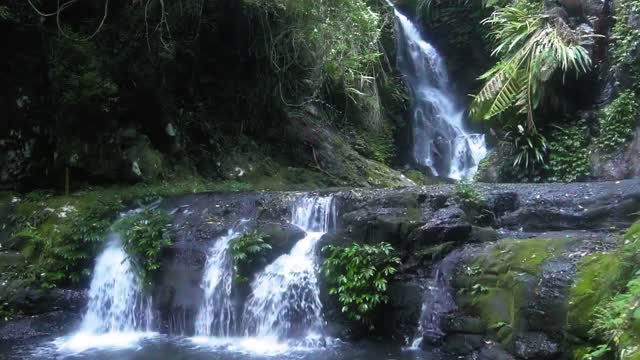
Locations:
246 250
144 236
617 121
358 275
468 195
61 240
568 154
62 234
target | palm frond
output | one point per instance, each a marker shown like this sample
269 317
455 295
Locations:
533 47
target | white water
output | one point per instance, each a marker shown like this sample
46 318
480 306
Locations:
441 142
216 316
285 299
118 314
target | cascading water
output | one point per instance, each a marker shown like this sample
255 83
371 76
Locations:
118 312
438 300
285 299
440 141
217 315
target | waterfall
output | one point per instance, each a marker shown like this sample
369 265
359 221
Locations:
118 313
285 299
440 141
438 300
216 315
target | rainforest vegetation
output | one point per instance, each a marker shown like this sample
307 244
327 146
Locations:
120 118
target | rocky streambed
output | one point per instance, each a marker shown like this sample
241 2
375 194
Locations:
513 253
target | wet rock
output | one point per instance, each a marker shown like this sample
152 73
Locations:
547 308
402 313
50 324
281 237
483 234
448 224
535 346
621 164
462 344
460 323
491 352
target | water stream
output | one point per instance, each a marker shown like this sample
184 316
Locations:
438 301
118 313
440 140
285 298
217 316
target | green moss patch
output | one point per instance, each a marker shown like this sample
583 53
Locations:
496 285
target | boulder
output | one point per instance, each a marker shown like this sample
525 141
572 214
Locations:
281 236
535 346
445 225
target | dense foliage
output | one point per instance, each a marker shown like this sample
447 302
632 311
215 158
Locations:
625 40
569 153
358 275
618 121
605 305
247 250
144 236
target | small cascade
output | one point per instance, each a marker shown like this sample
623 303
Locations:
118 312
285 299
438 300
440 141
216 316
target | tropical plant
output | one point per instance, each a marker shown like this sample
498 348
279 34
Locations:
144 236
527 146
245 250
532 47
359 276
468 194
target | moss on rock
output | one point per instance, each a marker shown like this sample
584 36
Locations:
497 284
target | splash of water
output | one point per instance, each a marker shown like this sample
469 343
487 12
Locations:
217 315
118 313
440 141
285 298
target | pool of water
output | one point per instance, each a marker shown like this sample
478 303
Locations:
160 347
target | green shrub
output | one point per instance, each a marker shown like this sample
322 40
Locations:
61 235
359 275
144 236
525 151
569 154
468 194
246 250
605 301
617 121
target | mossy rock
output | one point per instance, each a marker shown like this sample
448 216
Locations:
497 284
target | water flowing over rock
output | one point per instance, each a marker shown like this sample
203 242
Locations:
438 301
285 299
217 315
118 311
440 141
